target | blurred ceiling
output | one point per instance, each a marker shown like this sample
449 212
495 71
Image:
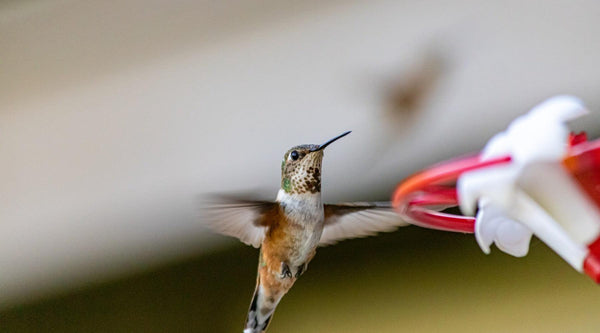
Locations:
117 116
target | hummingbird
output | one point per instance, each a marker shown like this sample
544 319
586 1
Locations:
289 229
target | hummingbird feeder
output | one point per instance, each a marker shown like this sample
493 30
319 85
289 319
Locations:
536 177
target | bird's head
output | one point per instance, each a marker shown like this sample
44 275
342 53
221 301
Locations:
301 168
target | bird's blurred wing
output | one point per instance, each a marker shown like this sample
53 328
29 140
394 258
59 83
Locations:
358 219
243 219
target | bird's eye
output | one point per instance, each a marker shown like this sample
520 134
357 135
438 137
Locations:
294 155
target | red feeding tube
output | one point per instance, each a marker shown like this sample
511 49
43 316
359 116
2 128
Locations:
419 197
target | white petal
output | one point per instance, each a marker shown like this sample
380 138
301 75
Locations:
493 225
562 108
485 229
513 238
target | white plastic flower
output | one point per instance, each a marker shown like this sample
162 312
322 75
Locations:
533 194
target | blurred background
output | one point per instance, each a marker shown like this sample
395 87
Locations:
117 116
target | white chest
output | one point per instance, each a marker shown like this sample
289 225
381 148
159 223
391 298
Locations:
305 214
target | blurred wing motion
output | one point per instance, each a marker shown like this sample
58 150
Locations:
243 219
358 219
249 219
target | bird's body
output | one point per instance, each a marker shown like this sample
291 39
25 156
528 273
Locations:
289 245
290 229
300 227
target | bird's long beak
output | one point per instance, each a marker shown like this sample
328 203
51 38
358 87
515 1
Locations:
321 147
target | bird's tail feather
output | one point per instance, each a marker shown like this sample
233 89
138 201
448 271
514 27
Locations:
261 310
